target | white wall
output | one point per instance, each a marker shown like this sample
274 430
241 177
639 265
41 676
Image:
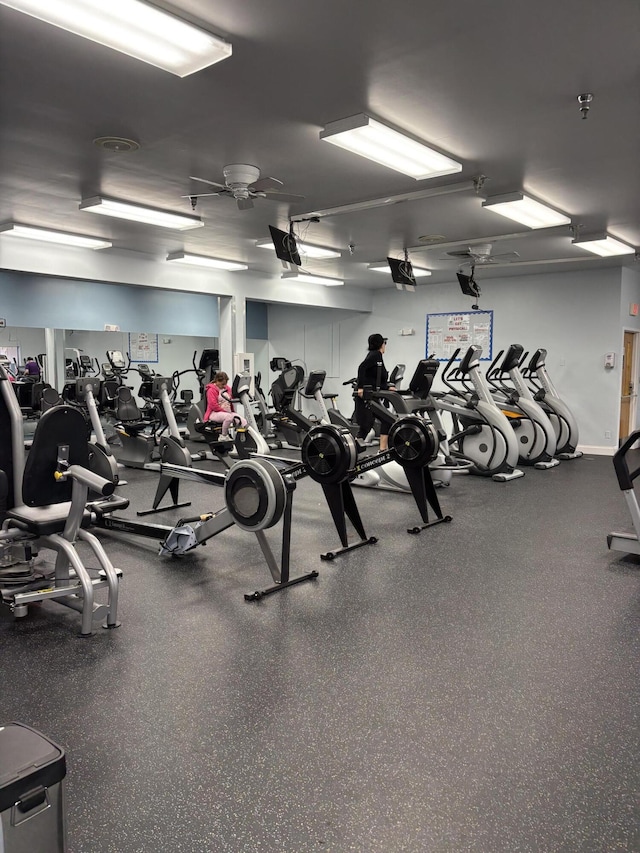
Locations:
319 339
134 268
574 315
630 294
30 341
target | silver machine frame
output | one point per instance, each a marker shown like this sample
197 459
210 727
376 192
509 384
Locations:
71 584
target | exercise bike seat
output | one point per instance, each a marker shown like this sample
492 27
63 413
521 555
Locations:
128 413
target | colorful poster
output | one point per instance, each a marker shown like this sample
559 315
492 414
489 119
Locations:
143 347
447 332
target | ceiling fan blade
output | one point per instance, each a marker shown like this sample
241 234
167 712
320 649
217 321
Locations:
265 184
274 195
200 195
205 181
505 256
465 254
244 204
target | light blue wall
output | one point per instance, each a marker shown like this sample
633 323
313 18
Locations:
36 301
630 295
574 315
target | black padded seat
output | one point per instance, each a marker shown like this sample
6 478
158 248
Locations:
283 389
210 430
128 413
46 502
49 399
62 426
45 520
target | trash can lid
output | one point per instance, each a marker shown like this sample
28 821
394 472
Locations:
27 759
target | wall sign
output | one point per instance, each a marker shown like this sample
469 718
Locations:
447 332
143 347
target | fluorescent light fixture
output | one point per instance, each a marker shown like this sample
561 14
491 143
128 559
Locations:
603 245
133 27
45 235
306 249
309 278
376 141
526 210
418 272
138 213
204 261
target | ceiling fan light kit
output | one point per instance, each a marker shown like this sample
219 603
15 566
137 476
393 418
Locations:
526 210
46 235
242 182
376 141
133 27
482 253
603 245
139 213
205 261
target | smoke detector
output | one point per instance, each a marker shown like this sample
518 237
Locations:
432 238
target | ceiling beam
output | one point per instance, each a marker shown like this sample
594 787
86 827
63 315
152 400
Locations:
372 203
516 235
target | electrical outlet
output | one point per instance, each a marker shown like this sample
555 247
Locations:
607 433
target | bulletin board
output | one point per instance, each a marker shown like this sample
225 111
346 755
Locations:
448 331
143 347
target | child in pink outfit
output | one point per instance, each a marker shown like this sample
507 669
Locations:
219 406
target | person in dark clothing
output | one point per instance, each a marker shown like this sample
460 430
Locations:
372 372
32 368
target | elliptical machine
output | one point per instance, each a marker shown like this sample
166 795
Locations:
628 543
534 431
561 417
482 433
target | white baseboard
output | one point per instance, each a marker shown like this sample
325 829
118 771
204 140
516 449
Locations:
594 450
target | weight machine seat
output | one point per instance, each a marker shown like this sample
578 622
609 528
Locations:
46 502
45 520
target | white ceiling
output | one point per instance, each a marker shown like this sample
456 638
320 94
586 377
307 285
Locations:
493 84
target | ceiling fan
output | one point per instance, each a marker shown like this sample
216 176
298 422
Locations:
481 254
243 182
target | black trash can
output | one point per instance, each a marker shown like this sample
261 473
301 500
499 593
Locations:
32 770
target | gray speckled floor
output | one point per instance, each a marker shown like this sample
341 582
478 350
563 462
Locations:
475 688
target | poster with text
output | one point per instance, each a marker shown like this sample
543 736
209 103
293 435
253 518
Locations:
448 332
